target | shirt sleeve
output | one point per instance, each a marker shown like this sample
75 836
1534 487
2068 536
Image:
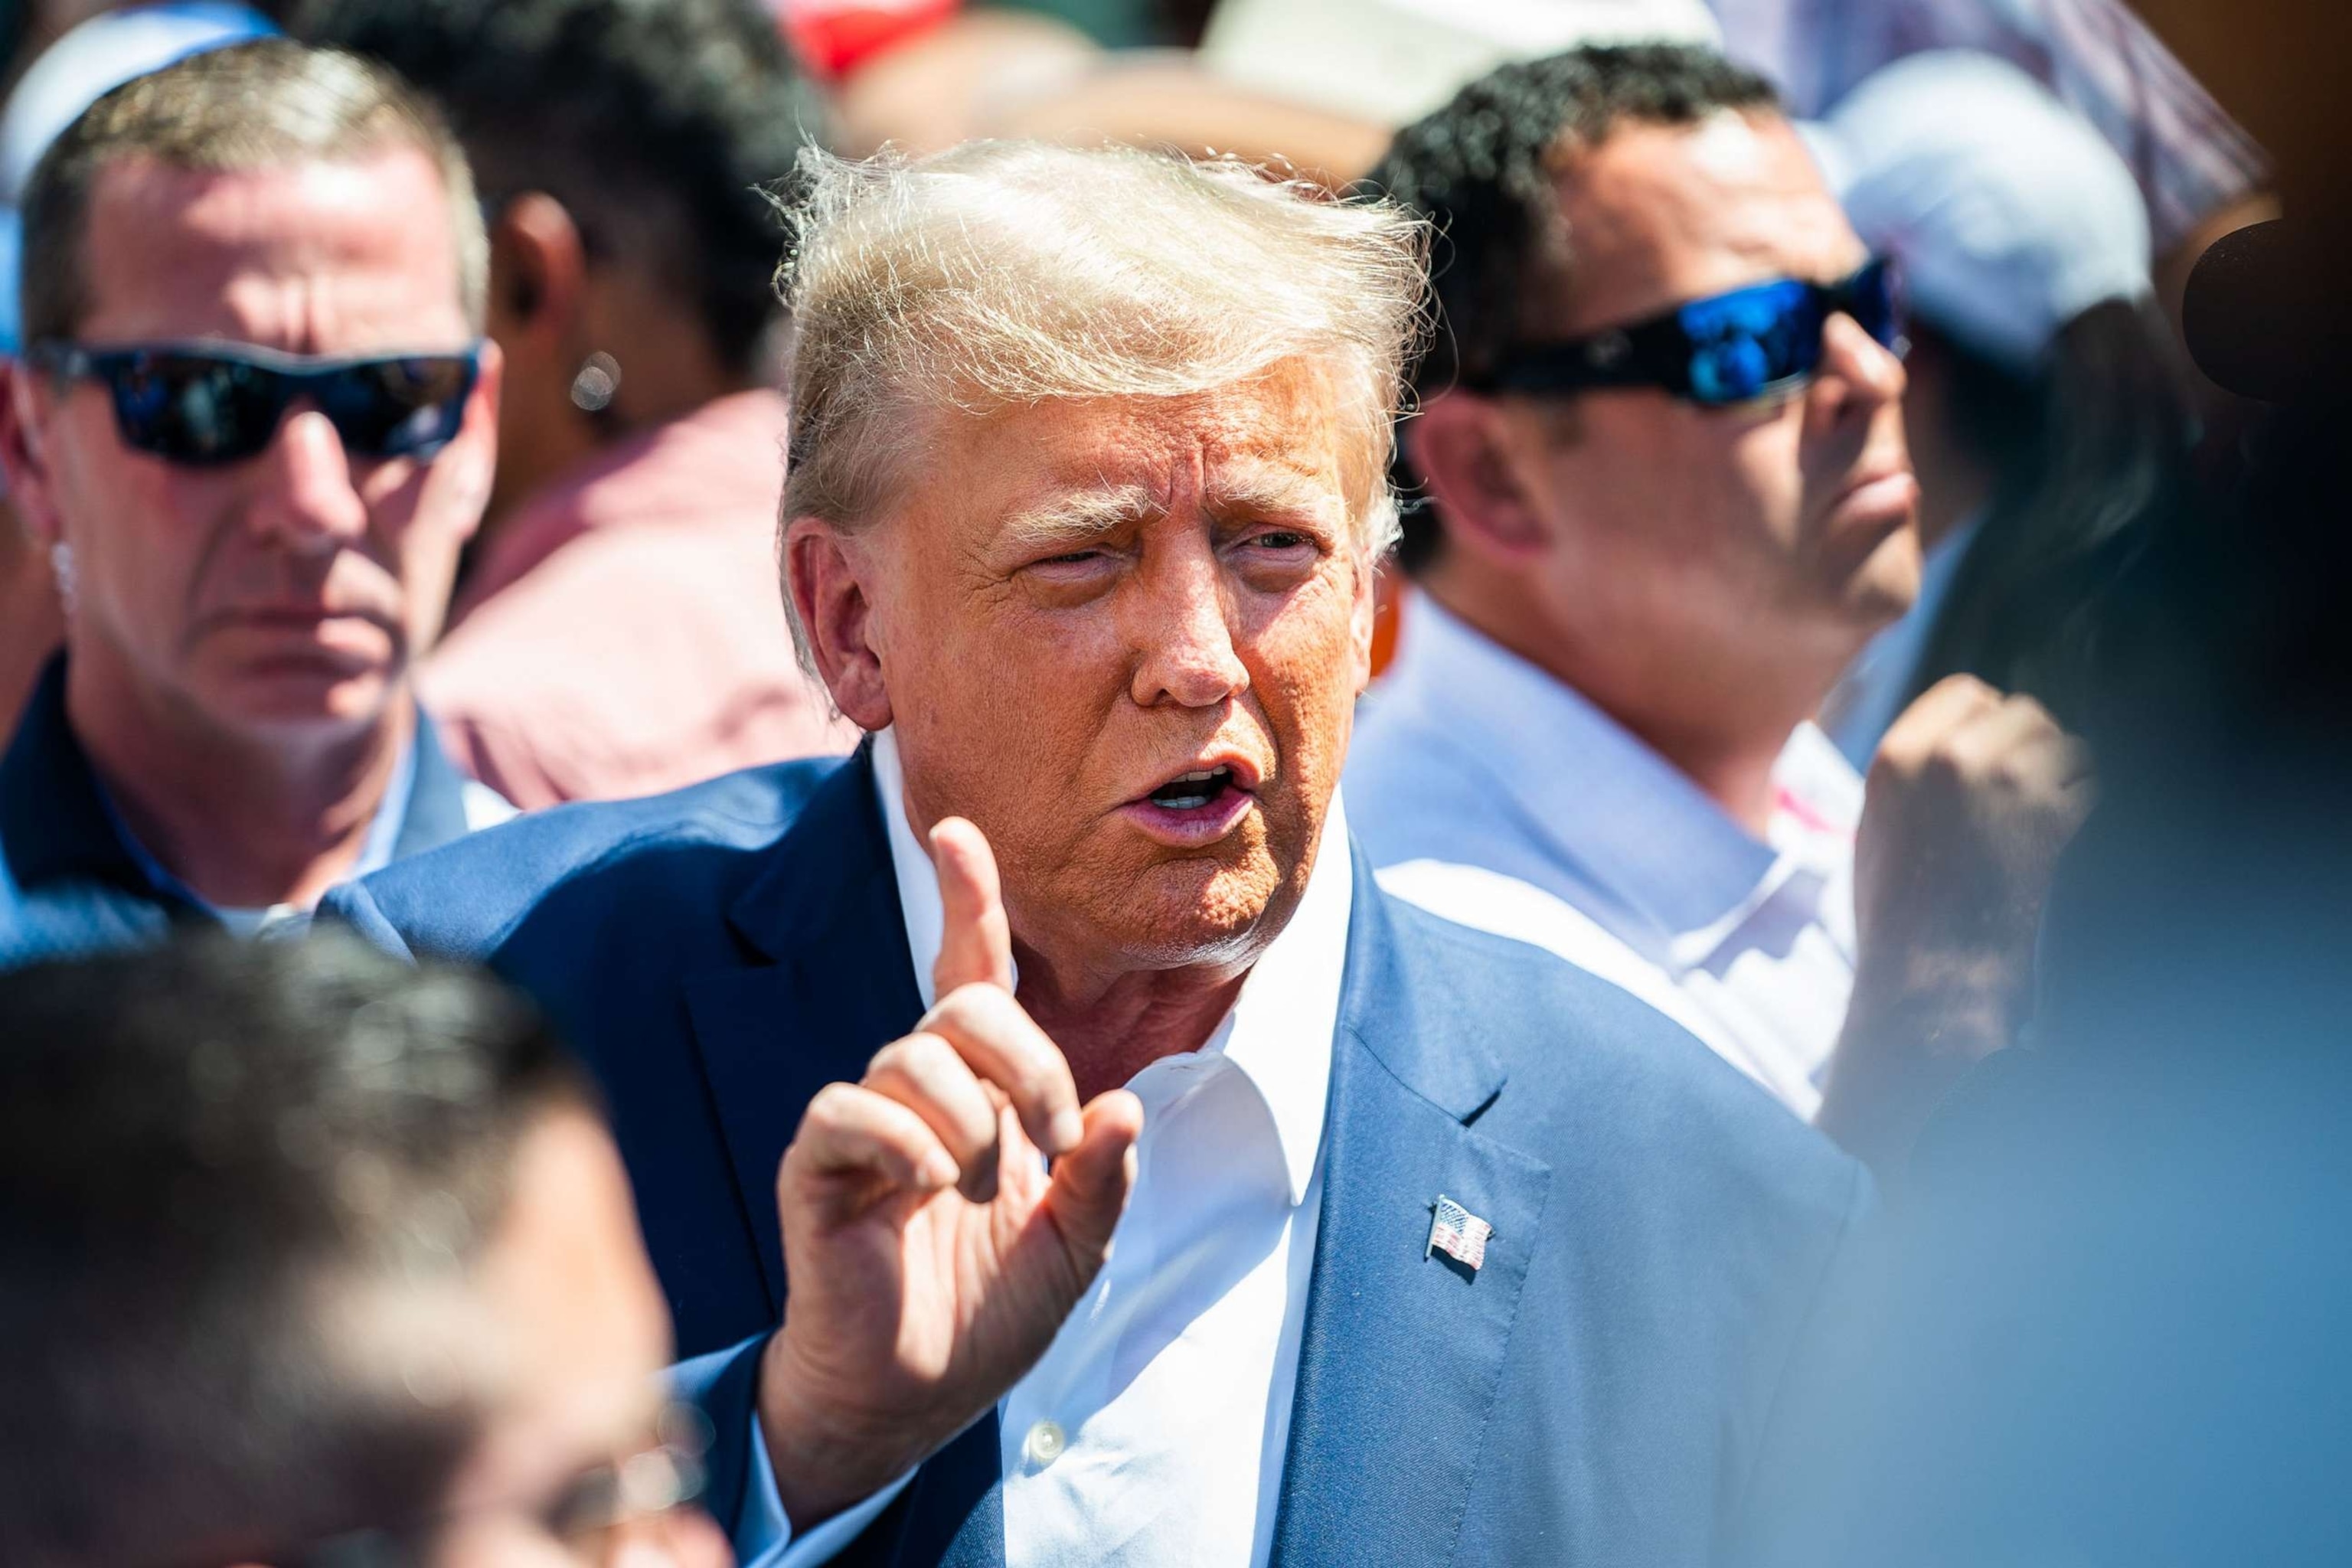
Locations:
764 1537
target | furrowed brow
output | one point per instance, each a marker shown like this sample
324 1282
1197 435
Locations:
1280 493
1074 520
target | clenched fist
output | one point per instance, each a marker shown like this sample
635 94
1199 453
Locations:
931 1256
1971 799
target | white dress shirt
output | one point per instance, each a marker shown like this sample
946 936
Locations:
1152 1433
1472 769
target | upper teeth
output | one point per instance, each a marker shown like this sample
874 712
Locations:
1202 777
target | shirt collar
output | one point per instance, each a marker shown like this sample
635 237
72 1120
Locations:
1279 1033
376 851
73 824
1622 815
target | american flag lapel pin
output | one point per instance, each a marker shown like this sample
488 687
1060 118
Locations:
1457 1233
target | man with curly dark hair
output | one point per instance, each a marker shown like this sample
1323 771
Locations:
1667 499
617 630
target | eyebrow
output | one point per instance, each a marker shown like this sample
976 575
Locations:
1078 518
1278 490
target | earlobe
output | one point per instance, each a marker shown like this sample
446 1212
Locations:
1460 447
825 575
21 456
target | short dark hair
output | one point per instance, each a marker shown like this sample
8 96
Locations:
657 126
257 105
205 1150
1481 169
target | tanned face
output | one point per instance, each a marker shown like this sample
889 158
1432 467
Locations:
1744 531
287 593
1081 606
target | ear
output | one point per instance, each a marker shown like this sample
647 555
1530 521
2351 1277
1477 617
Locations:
27 407
1461 447
826 573
538 269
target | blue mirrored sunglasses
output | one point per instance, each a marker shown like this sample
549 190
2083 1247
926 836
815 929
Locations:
1731 348
208 403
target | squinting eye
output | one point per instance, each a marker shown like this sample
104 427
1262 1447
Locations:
1075 558
1282 541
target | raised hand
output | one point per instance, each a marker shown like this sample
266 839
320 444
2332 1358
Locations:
931 1256
1972 797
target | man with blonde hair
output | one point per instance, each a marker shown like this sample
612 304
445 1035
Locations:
1426 1244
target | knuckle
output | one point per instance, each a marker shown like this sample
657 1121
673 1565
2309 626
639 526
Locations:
974 999
833 1105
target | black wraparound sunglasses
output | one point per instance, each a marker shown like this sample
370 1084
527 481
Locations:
1726 349
204 404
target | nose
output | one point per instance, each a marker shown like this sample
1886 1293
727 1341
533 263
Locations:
1182 632
307 502
1858 376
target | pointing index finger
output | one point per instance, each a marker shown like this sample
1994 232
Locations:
976 943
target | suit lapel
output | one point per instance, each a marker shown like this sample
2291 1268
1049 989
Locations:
828 983
1400 1353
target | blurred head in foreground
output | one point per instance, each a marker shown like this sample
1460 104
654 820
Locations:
315 1257
1089 473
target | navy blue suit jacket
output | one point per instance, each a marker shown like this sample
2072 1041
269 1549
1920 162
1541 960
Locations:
69 882
1601 1391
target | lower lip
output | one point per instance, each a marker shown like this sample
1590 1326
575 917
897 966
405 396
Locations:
1193 829
1886 503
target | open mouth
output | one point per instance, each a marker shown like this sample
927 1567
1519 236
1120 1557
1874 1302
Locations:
1193 791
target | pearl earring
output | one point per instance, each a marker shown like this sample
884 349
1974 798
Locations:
598 379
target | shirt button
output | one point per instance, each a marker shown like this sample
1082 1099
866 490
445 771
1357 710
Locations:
1045 1443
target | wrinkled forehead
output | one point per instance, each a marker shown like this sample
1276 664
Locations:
1281 446
1658 215
312 257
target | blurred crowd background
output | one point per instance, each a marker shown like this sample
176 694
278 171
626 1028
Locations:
2113 1332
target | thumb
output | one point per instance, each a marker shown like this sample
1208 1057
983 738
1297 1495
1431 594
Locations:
976 943
1092 1181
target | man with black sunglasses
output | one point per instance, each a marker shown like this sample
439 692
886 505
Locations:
1666 500
252 426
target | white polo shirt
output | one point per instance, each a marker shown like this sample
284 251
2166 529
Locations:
1492 794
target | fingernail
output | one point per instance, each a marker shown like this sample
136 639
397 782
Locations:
1069 1130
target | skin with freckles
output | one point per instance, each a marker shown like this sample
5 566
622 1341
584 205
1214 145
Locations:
1703 574
241 634
1084 601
